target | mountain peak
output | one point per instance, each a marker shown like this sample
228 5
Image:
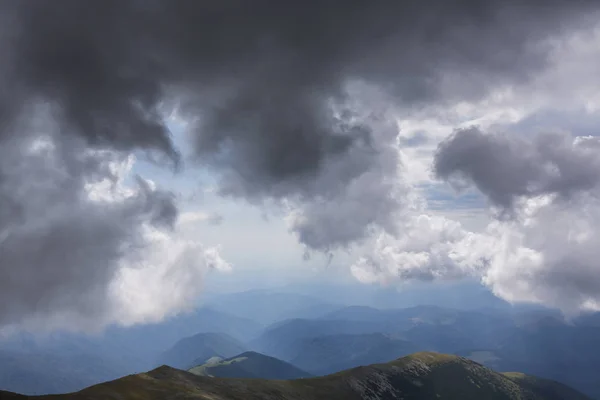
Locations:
162 370
432 357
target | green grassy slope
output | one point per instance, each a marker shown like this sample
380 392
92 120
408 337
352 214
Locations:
421 376
250 365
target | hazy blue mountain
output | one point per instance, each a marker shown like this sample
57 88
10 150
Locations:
118 351
429 328
533 340
461 331
146 342
311 312
267 306
359 313
552 350
588 319
62 343
281 339
250 365
462 295
434 328
196 350
39 373
415 314
61 362
397 320
529 339
328 354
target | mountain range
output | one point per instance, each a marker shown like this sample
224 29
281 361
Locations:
328 354
62 362
424 376
313 336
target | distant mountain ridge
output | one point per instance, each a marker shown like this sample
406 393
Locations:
531 340
328 354
368 330
281 339
40 373
423 376
268 306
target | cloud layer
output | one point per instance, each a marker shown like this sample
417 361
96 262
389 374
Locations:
506 168
543 246
266 98
283 103
79 246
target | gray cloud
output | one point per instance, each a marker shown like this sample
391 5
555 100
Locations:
546 255
215 219
549 255
549 183
60 246
350 206
505 168
260 80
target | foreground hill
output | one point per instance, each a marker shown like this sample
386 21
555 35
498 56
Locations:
198 349
250 365
419 376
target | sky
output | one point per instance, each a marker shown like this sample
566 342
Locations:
147 146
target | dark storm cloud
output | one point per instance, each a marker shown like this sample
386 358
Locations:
505 168
264 86
260 77
59 247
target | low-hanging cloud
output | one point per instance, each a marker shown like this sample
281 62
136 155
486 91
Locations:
506 168
546 251
266 90
551 184
73 233
430 248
